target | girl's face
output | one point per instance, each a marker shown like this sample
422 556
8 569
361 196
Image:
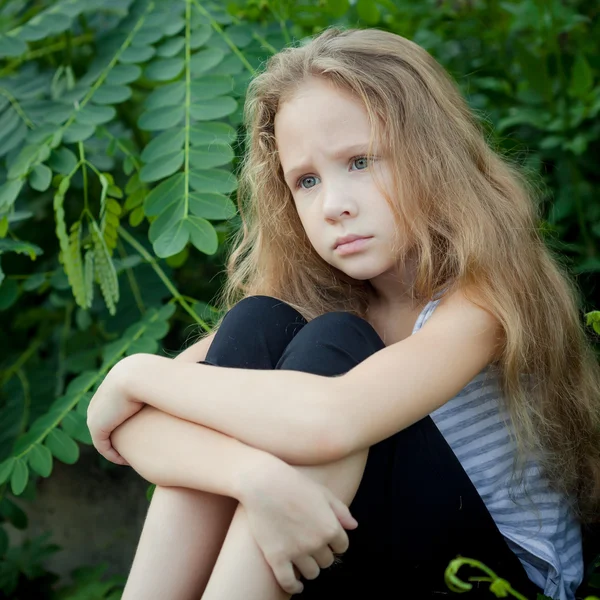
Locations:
322 137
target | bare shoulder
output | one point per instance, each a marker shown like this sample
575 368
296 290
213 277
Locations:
416 375
464 311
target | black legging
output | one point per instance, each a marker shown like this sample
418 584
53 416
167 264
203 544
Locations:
416 507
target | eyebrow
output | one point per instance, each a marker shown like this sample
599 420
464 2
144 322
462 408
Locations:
360 147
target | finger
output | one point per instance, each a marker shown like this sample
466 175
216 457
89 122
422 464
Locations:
340 542
308 566
324 557
287 579
342 512
113 456
105 448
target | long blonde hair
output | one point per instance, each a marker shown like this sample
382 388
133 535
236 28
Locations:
473 219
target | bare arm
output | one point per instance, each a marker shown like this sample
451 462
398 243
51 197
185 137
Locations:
307 419
172 452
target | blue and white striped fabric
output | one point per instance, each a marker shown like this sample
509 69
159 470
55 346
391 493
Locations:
537 523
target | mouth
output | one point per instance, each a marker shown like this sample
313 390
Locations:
349 239
352 246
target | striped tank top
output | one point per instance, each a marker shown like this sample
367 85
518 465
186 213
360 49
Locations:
537 523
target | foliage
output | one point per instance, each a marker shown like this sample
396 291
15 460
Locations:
498 586
120 134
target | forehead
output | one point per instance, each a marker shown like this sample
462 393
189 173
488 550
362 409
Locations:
318 121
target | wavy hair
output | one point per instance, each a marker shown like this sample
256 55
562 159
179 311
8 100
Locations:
472 215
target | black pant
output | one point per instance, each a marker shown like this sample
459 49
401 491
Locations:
416 507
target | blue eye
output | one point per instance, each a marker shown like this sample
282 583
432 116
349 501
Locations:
352 160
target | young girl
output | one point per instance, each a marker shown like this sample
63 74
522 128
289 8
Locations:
397 339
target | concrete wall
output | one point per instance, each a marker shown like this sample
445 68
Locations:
95 515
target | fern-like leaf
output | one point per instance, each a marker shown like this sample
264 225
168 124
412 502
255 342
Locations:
105 272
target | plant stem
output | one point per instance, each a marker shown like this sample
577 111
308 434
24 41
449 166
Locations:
168 284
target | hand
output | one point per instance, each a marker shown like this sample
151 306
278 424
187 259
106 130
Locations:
109 407
295 521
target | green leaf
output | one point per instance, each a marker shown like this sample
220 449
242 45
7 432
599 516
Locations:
40 178
75 425
147 35
368 12
83 405
164 69
9 192
209 133
582 78
13 140
161 118
174 25
19 477
121 74
172 240
211 86
157 330
12 46
204 60
92 114
165 194
111 94
144 344
535 71
213 108
213 180
212 206
40 460
62 446
202 234
137 54
136 216
9 293
6 468
22 163
171 94
105 270
77 132
20 247
62 160
162 167
9 121
211 155
34 282
337 8
200 35
165 143
135 199
82 383
166 312
150 492
171 47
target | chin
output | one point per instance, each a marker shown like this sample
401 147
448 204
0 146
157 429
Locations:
363 274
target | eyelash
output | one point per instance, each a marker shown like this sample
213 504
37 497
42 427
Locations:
299 181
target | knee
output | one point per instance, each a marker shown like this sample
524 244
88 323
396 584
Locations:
260 312
331 344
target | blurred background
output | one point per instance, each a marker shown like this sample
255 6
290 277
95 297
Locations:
115 213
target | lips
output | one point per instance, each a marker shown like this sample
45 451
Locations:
349 238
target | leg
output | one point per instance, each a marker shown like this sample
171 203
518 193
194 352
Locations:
180 542
329 345
184 529
416 507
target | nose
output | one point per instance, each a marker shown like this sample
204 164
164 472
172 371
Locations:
338 203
